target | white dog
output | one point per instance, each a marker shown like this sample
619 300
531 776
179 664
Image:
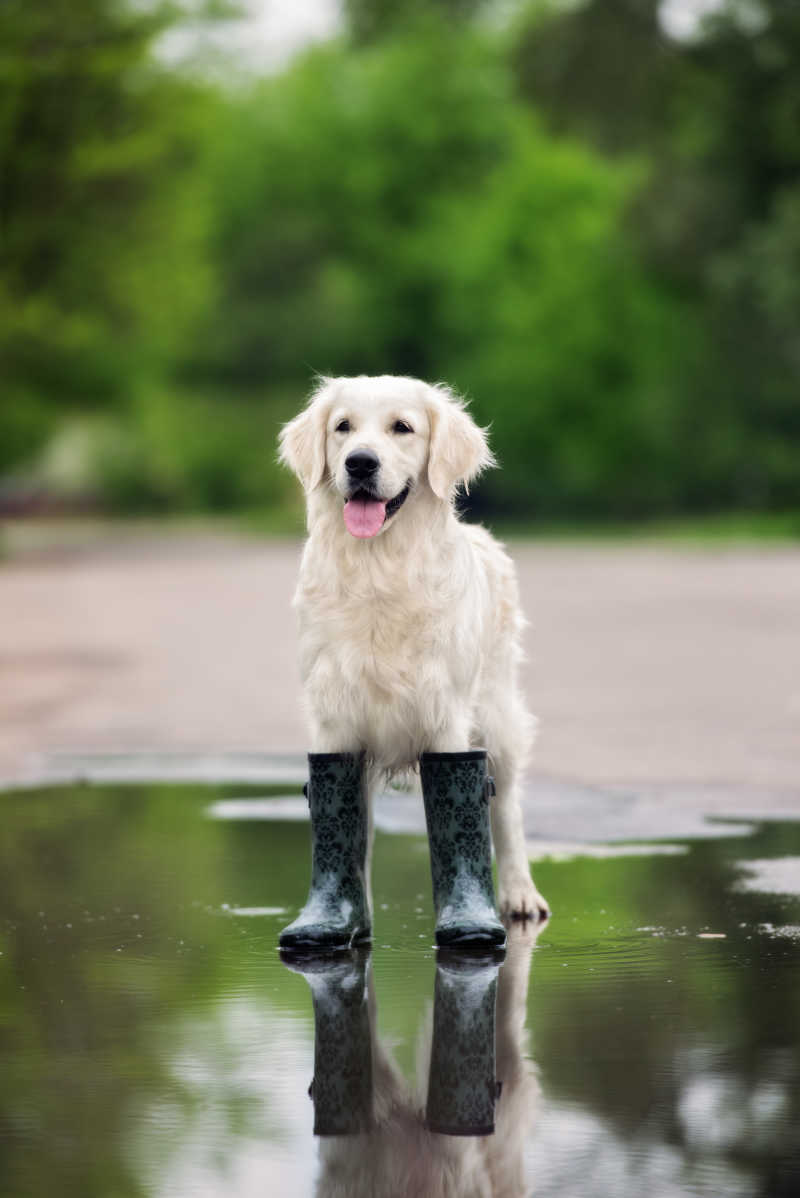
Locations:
409 622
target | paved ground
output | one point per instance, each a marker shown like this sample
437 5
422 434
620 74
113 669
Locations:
647 666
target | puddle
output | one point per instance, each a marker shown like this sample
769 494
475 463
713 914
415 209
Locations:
154 1044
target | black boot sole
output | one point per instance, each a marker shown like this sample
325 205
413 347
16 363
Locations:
471 938
299 943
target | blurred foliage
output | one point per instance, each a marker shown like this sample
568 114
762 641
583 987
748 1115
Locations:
102 265
589 228
375 20
718 218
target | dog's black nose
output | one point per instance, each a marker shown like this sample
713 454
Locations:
361 463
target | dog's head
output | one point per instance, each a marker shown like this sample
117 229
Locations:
372 444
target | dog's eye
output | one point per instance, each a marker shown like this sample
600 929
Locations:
400 426
343 426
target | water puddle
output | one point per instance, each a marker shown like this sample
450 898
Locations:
154 1043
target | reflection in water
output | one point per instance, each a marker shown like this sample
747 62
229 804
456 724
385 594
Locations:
342 1083
462 1086
379 1134
153 1045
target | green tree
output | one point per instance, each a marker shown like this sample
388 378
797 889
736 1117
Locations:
99 273
325 184
571 351
718 119
394 209
375 20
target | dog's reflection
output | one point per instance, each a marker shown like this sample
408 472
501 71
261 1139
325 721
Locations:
466 1133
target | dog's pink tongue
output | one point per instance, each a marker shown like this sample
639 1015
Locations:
364 517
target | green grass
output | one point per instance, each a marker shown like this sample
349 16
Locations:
718 528
22 537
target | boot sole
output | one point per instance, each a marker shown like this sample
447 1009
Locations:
297 942
477 938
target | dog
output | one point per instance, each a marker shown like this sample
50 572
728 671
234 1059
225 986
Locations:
408 618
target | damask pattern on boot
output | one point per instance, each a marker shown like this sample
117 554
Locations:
455 789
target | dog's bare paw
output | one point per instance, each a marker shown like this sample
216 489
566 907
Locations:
518 898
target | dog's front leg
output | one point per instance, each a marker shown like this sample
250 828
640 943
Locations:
334 737
337 912
451 736
455 791
516 893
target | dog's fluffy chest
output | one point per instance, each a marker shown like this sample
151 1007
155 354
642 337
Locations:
384 640
385 654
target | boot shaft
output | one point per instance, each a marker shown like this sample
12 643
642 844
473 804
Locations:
336 913
336 792
456 790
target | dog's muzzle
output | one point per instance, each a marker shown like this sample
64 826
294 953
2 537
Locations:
394 504
365 513
361 464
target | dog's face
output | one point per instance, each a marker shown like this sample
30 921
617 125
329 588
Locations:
375 443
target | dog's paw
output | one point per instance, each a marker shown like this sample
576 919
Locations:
518 898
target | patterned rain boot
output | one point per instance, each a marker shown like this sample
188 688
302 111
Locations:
336 914
342 1085
456 789
462 1088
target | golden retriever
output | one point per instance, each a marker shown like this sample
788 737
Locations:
409 620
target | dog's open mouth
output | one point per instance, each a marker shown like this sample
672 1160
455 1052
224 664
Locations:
365 514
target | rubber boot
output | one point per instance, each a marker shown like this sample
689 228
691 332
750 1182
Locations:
342 1085
456 789
462 1087
336 913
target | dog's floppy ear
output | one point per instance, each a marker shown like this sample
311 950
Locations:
302 440
459 450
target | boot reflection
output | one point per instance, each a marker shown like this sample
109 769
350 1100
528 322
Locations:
462 1087
342 1083
465 1137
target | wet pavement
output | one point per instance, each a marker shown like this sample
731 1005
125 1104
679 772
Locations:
645 663
154 1043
